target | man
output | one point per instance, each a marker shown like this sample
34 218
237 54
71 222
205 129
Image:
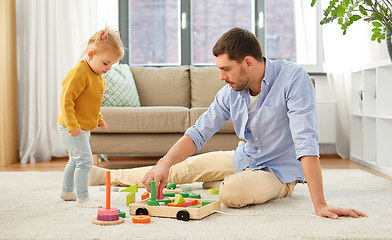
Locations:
272 105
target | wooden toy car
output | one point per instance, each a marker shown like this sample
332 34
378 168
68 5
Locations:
196 211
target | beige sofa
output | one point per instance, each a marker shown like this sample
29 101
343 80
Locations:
171 98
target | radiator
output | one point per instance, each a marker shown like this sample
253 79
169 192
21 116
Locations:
326 120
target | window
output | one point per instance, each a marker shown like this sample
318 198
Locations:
183 32
153 35
210 19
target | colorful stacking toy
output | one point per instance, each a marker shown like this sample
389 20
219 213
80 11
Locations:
108 215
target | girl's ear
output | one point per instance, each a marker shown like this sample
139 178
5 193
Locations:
90 54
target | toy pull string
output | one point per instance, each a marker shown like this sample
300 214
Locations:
234 214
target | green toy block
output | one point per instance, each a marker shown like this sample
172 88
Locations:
165 200
121 214
179 199
169 194
133 188
130 198
184 194
206 202
194 195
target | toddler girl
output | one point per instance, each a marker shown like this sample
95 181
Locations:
80 100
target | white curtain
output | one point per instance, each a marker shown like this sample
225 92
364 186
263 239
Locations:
51 36
305 32
342 53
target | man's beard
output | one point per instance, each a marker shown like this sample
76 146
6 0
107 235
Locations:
243 80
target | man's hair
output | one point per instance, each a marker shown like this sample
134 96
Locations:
238 43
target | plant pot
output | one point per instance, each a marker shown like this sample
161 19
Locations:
389 44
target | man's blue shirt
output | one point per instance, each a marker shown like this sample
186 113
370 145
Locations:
283 129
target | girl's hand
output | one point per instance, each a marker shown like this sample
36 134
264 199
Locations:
102 125
76 132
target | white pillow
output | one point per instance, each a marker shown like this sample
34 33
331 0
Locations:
120 89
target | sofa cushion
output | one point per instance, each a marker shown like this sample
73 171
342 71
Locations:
205 83
195 113
145 120
120 88
165 86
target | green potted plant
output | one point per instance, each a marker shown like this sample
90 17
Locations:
346 12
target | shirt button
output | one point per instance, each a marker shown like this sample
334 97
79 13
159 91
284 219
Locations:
92 128
256 138
259 151
253 159
101 91
96 117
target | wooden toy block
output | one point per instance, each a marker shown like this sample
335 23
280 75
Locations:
165 200
184 194
194 195
183 204
121 214
141 219
213 191
177 191
112 189
169 194
171 185
130 198
181 213
194 201
145 195
206 202
160 194
133 188
179 199
185 188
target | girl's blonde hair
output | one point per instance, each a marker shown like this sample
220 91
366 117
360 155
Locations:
107 39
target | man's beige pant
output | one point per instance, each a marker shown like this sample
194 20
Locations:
236 190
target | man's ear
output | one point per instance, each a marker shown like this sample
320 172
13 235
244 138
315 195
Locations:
249 62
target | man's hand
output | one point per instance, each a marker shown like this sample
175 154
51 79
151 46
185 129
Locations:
313 175
76 132
159 174
181 150
335 212
102 125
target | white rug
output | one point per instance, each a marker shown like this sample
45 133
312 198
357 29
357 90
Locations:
30 208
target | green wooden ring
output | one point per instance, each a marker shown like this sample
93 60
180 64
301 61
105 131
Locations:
171 185
213 191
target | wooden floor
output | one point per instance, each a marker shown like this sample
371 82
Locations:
123 162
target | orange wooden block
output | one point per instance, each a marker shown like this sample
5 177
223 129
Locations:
175 204
194 201
145 195
183 204
141 219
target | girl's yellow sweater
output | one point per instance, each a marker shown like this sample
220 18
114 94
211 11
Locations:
81 98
